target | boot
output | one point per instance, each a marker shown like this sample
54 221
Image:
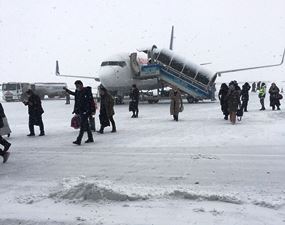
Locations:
77 142
101 131
226 117
42 133
278 108
113 126
89 140
31 135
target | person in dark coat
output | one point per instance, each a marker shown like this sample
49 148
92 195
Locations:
245 96
134 103
4 153
35 110
253 87
261 95
258 86
176 104
106 110
233 98
83 107
5 130
223 99
274 96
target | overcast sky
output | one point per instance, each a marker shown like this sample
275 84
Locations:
81 33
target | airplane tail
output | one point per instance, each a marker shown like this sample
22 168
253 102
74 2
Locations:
171 38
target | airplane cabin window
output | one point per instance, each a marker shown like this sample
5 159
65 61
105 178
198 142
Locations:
202 79
188 71
163 58
114 63
176 64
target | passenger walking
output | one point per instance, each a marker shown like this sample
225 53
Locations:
258 86
245 96
106 110
83 107
253 87
233 98
223 99
134 103
35 111
3 152
274 96
261 95
5 130
176 104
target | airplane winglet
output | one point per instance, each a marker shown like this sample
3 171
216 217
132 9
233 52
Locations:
57 73
57 69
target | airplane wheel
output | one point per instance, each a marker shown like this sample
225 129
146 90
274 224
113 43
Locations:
190 99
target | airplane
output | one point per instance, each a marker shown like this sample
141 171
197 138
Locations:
119 72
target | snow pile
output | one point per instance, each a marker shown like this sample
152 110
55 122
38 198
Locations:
90 190
270 205
80 189
207 197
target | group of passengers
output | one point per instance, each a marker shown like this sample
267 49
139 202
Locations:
234 100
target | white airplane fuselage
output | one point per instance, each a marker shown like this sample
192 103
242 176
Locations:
117 75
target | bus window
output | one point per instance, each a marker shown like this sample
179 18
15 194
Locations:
176 64
202 78
9 87
188 71
164 58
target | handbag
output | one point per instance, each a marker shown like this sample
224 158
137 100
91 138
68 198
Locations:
75 122
279 96
181 108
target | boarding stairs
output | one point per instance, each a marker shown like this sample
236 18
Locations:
177 79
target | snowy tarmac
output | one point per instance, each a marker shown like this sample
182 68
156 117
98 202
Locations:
200 170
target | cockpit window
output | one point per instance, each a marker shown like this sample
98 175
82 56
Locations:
114 63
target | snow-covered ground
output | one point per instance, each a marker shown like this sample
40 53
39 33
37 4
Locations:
200 170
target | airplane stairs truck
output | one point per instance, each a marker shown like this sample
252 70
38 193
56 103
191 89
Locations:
195 81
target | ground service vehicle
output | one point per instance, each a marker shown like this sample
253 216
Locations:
15 91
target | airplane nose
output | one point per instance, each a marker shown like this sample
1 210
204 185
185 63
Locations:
108 75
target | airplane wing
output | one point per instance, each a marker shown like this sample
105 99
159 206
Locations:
57 73
252 68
